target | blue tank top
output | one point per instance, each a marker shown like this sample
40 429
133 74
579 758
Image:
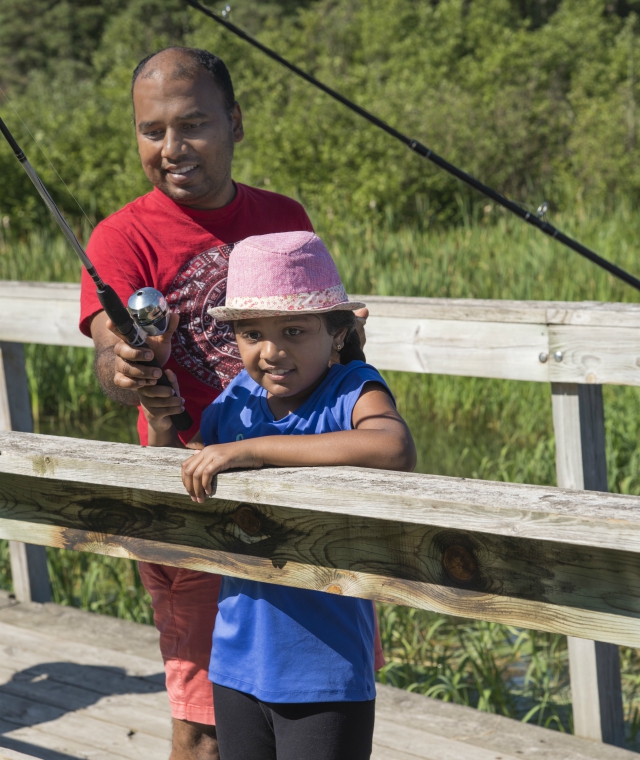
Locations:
277 643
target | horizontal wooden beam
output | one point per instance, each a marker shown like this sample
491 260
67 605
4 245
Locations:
380 535
581 342
581 518
41 312
577 313
455 347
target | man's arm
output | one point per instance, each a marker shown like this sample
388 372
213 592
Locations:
117 365
104 362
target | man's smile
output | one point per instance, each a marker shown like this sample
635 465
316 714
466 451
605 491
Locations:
181 174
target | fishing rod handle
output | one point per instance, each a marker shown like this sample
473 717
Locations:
181 420
136 337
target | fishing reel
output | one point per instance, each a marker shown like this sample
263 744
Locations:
149 310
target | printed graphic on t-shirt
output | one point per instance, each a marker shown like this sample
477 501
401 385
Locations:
203 346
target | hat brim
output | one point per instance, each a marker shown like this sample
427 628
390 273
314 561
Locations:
225 314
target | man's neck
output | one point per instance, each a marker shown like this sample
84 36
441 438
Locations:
220 200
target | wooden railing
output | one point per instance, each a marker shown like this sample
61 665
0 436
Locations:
544 558
593 343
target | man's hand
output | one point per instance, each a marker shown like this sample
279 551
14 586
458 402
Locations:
159 403
361 316
129 373
199 471
121 381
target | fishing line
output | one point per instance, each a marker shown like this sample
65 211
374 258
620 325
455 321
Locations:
536 219
77 202
148 302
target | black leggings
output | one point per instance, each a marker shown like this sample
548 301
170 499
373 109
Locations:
249 729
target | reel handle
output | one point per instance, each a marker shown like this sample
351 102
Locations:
135 336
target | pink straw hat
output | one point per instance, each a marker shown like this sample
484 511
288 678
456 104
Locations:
274 275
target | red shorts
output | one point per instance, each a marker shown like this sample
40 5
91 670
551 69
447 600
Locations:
185 605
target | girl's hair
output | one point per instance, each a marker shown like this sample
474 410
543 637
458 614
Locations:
338 320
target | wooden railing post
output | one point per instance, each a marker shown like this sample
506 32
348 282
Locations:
578 420
28 562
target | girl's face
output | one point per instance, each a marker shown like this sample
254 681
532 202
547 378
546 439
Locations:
288 356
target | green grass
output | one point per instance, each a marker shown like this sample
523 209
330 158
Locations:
496 668
470 427
65 396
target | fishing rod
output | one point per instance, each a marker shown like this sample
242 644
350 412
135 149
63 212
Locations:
535 219
148 311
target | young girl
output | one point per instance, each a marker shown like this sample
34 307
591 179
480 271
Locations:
292 669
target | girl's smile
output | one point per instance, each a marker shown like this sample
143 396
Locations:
277 375
288 356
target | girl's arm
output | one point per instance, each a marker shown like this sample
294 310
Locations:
380 439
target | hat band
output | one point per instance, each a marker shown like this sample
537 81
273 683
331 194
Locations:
317 299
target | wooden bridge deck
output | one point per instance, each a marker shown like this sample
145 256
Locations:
77 685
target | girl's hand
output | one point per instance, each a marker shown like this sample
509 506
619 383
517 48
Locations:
159 403
199 471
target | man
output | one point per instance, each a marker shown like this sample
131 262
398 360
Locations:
177 239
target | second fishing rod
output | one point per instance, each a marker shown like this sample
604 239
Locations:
147 312
535 220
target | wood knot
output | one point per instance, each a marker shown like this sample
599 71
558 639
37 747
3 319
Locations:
247 520
460 563
334 589
43 465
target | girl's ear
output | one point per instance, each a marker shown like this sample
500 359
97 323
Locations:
339 339
337 344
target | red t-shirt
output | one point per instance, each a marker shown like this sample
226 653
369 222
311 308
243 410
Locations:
184 253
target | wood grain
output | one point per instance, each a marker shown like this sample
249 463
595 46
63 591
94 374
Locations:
54 665
412 741
14 389
112 739
583 313
581 462
465 309
447 600
29 572
549 585
601 520
37 312
8 754
404 709
595 356
5 408
137 712
600 342
465 349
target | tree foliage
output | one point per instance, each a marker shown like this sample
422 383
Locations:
39 34
531 96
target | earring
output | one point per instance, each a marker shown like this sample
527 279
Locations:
339 347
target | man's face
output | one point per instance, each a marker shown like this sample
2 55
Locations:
186 138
